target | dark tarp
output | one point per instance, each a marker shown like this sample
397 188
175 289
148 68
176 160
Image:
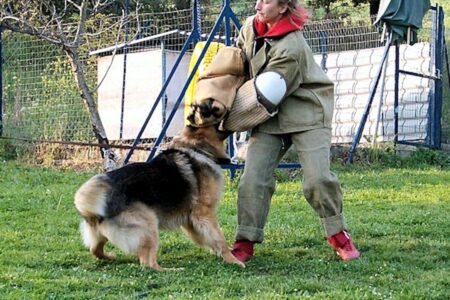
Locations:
402 18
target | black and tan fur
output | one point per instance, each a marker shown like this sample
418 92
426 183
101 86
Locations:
180 187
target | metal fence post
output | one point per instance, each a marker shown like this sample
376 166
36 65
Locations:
436 117
372 93
396 91
323 50
124 75
163 79
1 83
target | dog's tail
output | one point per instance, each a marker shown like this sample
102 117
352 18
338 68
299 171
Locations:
90 201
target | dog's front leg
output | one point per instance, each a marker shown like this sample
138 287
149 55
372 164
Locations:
206 231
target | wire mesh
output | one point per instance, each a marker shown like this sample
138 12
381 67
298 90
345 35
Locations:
41 101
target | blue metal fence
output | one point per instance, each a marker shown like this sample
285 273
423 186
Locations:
433 137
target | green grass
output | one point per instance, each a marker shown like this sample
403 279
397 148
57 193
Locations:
399 218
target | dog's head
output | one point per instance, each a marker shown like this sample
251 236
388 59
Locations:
206 140
206 113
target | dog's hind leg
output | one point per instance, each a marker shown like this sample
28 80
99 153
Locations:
147 252
206 231
94 240
98 251
149 241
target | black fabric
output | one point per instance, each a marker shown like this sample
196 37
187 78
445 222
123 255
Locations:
399 15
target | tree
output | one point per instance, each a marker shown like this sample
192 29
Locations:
326 4
374 5
47 21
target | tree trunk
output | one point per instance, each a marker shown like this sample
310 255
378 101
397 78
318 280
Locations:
108 154
86 95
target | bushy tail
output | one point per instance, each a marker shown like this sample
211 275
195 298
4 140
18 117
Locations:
90 199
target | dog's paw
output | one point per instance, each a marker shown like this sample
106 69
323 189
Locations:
105 255
173 269
109 256
154 266
239 263
231 259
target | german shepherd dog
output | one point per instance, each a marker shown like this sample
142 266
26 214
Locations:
180 187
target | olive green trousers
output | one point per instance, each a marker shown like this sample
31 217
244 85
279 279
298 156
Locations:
321 187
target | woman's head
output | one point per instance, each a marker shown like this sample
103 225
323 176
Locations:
270 11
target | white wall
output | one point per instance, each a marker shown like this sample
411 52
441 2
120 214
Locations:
143 83
352 71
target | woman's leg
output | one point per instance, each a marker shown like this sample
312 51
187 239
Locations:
257 184
321 187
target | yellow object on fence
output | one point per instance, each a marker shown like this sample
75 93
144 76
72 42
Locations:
209 55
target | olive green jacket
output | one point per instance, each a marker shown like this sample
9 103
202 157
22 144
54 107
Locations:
309 99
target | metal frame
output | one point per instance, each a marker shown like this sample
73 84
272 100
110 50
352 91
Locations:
433 139
124 74
372 93
435 104
227 16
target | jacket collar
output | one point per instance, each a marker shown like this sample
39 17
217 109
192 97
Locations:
284 26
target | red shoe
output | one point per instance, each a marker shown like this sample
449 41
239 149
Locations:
343 244
243 250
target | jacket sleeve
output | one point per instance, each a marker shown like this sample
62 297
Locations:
242 37
288 65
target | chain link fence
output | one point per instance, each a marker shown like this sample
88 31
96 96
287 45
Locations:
42 106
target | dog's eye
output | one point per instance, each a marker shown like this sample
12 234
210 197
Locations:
206 114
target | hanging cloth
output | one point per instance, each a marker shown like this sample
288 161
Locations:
402 18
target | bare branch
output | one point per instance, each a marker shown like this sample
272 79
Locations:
98 4
109 28
76 5
22 26
137 19
112 58
81 23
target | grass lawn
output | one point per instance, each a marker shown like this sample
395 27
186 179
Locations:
399 218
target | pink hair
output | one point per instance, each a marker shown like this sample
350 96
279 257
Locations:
298 14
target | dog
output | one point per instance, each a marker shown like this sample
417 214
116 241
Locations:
180 187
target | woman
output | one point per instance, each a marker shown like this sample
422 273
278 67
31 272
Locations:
272 41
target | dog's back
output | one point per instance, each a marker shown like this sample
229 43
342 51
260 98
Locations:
167 183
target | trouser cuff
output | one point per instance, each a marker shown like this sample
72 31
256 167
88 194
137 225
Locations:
333 225
248 233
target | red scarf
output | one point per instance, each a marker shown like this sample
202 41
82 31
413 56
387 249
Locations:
284 26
